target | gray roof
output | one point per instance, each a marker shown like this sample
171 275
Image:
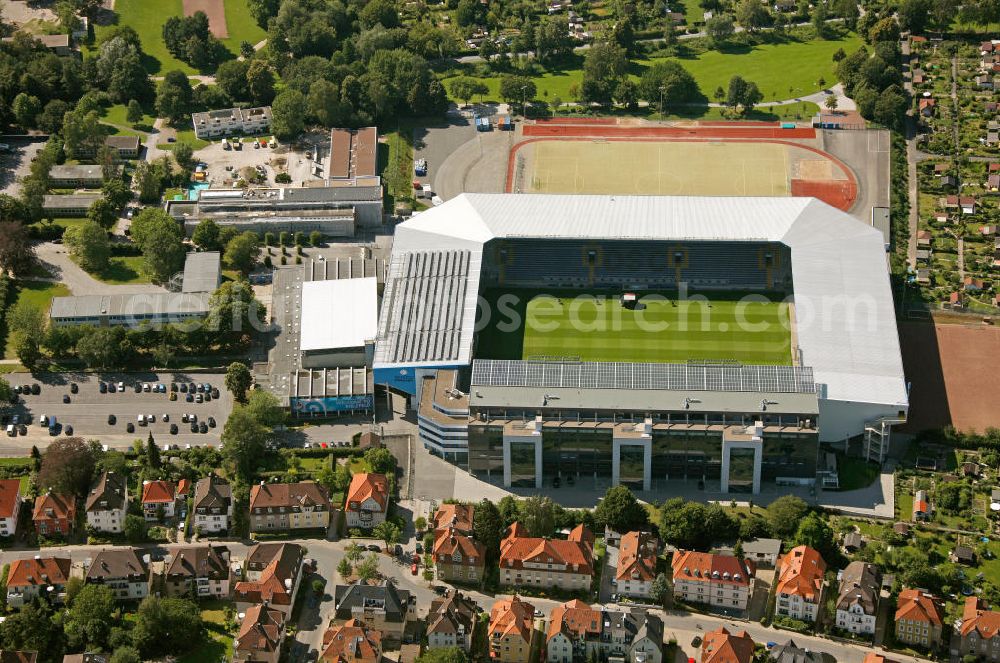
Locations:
837 261
789 652
451 611
212 492
321 194
859 584
199 562
386 596
76 172
72 200
131 306
109 489
651 627
202 272
117 563
763 546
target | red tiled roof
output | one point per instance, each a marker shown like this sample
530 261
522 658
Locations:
183 488
512 616
30 572
918 606
721 646
447 541
353 641
63 507
637 556
515 550
976 616
368 485
260 631
576 619
9 490
458 516
303 493
158 492
706 567
801 573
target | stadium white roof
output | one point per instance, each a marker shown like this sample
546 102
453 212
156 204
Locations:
338 314
845 322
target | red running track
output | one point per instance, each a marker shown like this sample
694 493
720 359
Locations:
590 130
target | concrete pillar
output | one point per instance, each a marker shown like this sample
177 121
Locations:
727 448
647 459
530 437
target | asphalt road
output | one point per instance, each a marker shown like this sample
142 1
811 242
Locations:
87 412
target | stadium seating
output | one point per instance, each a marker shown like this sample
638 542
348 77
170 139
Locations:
625 264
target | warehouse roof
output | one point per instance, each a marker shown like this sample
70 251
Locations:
340 313
76 172
202 272
844 309
70 201
133 305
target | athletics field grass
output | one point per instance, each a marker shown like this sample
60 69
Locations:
599 328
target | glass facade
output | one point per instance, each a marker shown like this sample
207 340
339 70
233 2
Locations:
630 465
522 464
741 470
576 451
486 452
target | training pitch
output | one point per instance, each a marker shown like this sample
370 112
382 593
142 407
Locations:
661 329
693 168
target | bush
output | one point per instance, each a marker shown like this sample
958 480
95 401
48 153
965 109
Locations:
283 178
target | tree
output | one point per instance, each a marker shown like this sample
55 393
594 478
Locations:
443 655
243 251
315 238
184 156
537 514
288 114
135 528
152 452
238 380
103 214
32 628
831 102
81 134
604 67
380 460
174 96
89 618
353 552
819 18
670 82
466 13
344 568
104 348
263 10
466 87
149 179
26 324
367 569
885 29
246 50
488 528
660 591
206 235
167 626
620 511
720 28
231 77
382 12
160 240
387 532
752 15
116 193
814 532
785 513
694 525
26 108
134 114
517 89
126 654
245 441
67 467
17 255
88 245
260 82
233 312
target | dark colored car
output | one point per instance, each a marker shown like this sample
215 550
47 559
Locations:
69 430
189 398
203 427
138 388
420 549
211 422
184 418
112 388
173 386
73 388
35 389
112 420
103 387
23 430
215 393
17 389
130 427
208 396
375 547
194 427
173 429
184 387
65 398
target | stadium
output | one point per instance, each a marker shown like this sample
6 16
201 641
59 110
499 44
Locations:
642 339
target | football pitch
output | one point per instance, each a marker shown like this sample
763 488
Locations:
723 327
662 167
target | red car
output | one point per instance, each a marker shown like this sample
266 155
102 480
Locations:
413 569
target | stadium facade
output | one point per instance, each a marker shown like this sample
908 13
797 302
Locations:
729 424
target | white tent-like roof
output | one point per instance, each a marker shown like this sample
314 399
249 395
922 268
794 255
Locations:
844 314
338 314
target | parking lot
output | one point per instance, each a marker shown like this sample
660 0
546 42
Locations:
217 159
88 410
15 163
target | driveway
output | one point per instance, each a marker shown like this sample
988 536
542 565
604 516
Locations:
55 259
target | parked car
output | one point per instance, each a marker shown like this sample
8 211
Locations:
73 388
130 427
413 569
203 428
166 417
374 547
189 398
112 420
211 422
184 387
112 389
173 395
35 390
66 398
173 429
102 387
68 430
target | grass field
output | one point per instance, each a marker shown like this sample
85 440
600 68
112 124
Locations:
658 167
147 18
570 324
38 294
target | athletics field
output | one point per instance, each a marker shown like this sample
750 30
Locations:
599 328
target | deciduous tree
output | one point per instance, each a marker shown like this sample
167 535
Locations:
238 380
89 246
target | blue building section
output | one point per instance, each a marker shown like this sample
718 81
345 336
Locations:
404 379
331 405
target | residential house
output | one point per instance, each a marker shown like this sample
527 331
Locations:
762 552
107 503
382 607
123 571
58 43
717 580
539 562
789 652
10 506
367 502
966 203
289 506
228 121
977 632
260 636
921 507
857 602
352 642
451 621
126 147
636 568
919 618
213 504
511 631
458 557
954 302
369 440
926 106
853 542
54 514
159 500
458 517
970 284
799 590
27 579
923 275
984 82
901 528
16 656
574 633
272 574
721 646
963 555
201 571
635 636
941 168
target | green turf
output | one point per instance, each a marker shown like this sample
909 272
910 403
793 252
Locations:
573 324
38 294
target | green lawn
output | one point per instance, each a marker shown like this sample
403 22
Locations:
115 115
38 294
791 112
147 18
855 473
781 71
123 270
220 643
398 172
601 329
185 136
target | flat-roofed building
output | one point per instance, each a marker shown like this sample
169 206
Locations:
353 153
228 121
132 310
202 272
87 176
77 204
339 322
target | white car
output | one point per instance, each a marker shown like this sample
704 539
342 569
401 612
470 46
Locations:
166 418
121 386
141 419
146 387
43 420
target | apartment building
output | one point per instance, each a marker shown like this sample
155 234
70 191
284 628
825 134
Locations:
213 504
717 580
107 503
458 517
159 500
574 633
289 506
919 618
27 579
54 514
351 642
977 633
382 607
553 563
123 571
367 502
201 571
457 557
228 121
511 631
10 506
636 570
272 574
800 584
858 598
721 646
261 634
452 621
